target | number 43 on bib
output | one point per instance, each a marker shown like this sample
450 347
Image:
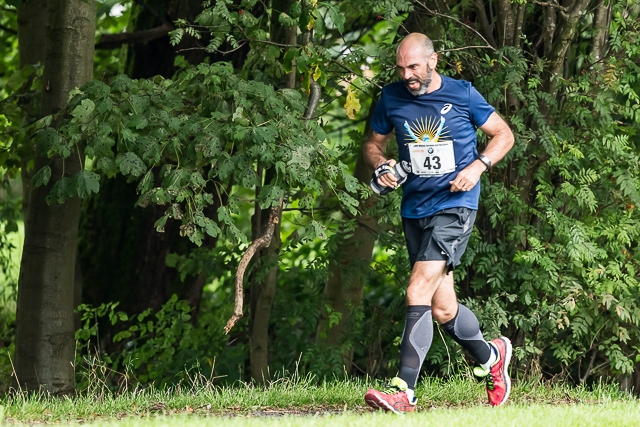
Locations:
432 159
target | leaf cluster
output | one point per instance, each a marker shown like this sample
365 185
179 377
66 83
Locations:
184 141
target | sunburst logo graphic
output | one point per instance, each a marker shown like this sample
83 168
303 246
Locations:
427 130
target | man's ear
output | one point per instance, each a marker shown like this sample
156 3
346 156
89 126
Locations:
433 60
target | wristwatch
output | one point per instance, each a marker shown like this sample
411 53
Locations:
484 159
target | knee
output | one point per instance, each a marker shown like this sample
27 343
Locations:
415 292
419 289
444 314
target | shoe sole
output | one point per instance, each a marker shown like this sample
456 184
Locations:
379 403
505 371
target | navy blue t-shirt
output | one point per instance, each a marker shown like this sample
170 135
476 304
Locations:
450 113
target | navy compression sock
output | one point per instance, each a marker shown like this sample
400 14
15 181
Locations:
416 340
465 330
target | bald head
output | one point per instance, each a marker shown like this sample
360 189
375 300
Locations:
416 42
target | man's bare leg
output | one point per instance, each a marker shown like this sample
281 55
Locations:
444 303
425 279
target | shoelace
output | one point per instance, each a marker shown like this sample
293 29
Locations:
489 379
391 389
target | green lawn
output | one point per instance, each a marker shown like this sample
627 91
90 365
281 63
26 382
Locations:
301 402
580 415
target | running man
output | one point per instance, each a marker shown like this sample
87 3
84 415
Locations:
435 118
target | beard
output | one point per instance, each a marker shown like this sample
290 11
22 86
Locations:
424 84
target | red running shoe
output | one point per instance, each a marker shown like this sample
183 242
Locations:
497 377
393 400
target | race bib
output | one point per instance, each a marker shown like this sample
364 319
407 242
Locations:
432 159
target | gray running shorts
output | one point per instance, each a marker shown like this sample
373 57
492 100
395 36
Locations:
441 237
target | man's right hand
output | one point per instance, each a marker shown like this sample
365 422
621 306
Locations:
388 179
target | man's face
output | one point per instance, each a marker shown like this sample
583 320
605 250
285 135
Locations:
416 69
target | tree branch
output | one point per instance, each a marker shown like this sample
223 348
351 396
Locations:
259 243
565 36
275 213
553 5
485 26
590 367
434 13
601 22
314 98
467 47
8 30
114 41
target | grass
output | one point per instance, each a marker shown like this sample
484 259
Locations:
614 414
581 415
301 401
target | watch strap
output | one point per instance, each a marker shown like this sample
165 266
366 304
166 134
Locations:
484 159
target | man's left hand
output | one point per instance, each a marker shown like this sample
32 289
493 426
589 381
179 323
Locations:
468 177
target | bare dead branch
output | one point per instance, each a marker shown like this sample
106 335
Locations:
467 47
259 243
113 41
221 52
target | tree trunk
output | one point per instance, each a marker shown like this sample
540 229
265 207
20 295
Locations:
44 318
156 57
32 20
263 292
601 22
121 254
344 292
561 42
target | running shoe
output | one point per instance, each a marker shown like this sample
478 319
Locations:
393 399
497 376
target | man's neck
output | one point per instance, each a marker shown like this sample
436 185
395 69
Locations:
436 83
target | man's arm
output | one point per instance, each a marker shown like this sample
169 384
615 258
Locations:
499 145
501 138
373 151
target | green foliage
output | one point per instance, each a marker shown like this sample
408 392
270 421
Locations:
109 62
553 261
8 43
558 260
160 347
178 138
10 222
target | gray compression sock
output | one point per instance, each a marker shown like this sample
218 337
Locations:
465 330
416 340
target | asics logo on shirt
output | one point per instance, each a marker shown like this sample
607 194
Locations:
446 108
